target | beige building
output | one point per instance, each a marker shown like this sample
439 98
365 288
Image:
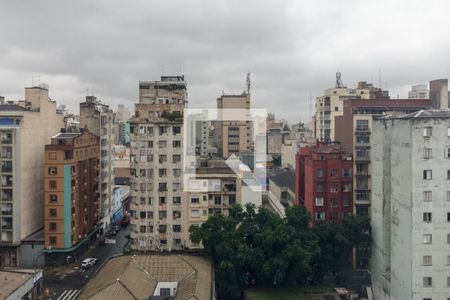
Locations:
156 165
233 136
214 190
25 127
330 105
100 120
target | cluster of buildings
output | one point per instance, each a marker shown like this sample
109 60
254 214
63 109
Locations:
58 190
171 168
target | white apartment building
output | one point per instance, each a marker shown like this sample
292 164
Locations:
25 127
156 162
411 206
419 91
100 120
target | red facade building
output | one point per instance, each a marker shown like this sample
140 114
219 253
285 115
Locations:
324 181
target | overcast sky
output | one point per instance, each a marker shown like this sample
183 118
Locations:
290 48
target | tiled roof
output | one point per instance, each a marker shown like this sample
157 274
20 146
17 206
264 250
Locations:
136 277
283 178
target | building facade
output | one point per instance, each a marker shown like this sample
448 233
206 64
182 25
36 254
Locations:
354 134
439 93
324 180
419 91
25 127
100 120
331 104
71 195
156 165
411 206
233 136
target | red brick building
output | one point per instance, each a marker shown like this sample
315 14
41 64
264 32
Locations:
324 181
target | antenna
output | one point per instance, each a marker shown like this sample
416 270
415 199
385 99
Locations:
339 83
380 83
248 83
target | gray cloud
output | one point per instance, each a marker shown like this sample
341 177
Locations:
291 47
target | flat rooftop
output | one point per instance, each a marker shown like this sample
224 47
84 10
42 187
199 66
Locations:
10 281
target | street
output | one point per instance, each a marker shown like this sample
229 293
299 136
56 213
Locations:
65 283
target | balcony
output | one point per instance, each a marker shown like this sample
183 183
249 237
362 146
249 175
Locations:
363 173
362 157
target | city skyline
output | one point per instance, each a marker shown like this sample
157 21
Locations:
291 50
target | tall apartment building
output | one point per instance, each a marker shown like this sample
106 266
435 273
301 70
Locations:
71 194
411 206
330 105
25 127
122 130
156 165
419 91
233 136
439 93
324 181
353 131
214 190
100 120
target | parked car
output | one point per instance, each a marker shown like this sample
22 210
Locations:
116 228
88 262
111 233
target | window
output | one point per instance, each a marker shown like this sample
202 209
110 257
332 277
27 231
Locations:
347 187
52 240
52 155
176 129
319 173
427 196
52 212
52 184
334 173
334 203
162 200
448 239
176 158
177 241
162 158
333 188
320 216
162 187
162 214
448 195
448 174
427 282
427 238
176 144
448 152
162 172
143 214
427 131
53 198
162 228
195 200
427 152
448 217
319 201
346 202
217 200
176 172
149 215
176 186
176 214
448 283
427 260
448 260
195 213
176 228
162 144
319 188
427 217
427 174
346 172
176 200
52 171
52 226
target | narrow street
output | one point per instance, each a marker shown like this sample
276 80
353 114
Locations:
65 283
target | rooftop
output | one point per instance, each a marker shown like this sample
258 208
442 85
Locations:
136 277
430 113
10 281
11 107
283 177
